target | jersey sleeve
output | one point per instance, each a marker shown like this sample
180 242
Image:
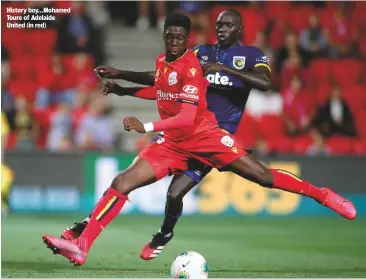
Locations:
198 50
158 60
193 85
147 93
258 59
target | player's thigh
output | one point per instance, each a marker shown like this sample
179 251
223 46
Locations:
251 169
140 173
158 137
180 186
184 182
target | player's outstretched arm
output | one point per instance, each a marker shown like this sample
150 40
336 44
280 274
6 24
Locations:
144 78
111 87
259 77
184 118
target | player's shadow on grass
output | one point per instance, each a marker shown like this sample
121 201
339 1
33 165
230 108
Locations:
49 267
33 265
312 270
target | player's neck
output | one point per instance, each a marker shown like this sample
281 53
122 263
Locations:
172 58
236 43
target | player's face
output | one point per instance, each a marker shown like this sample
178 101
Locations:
176 40
228 28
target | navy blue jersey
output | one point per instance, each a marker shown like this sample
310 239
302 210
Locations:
227 96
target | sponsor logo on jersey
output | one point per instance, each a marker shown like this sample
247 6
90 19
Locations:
189 96
190 89
172 79
193 71
262 59
227 141
166 96
218 79
239 62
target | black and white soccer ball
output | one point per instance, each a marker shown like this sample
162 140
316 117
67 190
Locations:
190 265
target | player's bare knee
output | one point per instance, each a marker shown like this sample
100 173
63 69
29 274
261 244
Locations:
174 196
122 184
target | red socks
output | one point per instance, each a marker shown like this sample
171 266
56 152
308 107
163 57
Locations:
286 181
104 212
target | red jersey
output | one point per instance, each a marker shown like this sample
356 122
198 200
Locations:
182 81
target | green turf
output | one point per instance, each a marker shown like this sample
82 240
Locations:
233 247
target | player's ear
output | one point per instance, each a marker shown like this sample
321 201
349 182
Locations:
240 32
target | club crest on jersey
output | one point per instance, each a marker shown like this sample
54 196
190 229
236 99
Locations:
172 79
205 57
227 141
193 71
239 62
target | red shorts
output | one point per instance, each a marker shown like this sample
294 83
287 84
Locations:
215 148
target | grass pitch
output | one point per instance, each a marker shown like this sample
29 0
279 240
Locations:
233 247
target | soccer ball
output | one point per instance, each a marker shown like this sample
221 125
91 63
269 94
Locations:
190 265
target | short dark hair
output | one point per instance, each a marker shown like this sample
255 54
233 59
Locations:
235 13
179 20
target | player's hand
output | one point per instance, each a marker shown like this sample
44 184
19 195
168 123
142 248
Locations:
105 72
109 86
132 123
212 68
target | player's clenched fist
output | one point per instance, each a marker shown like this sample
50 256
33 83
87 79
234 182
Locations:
109 86
106 72
211 68
132 123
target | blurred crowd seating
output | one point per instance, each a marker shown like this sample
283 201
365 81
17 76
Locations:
318 57
317 54
48 81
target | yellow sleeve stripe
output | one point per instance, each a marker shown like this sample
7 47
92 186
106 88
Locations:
263 65
195 52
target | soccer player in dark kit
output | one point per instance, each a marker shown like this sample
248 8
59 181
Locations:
185 139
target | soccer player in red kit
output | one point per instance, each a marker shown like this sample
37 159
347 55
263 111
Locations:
191 132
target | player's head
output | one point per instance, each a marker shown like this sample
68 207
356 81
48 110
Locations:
176 34
229 27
